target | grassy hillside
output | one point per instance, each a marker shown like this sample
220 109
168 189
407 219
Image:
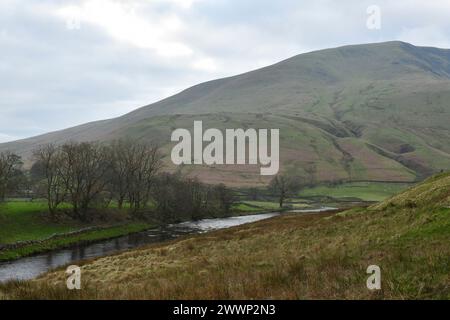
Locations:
364 191
376 112
292 256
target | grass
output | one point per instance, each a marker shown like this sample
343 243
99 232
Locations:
269 205
315 256
252 206
364 191
62 242
243 207
23 221
256 206
328 105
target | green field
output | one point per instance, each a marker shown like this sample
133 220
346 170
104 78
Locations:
25 221
292 256
29 221
365 191
254 207
84 237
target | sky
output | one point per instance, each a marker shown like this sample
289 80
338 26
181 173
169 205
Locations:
64 63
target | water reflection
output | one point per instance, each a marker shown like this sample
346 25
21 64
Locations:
31 267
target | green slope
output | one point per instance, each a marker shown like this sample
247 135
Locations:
376 112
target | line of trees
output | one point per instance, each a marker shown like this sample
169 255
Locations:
180 198
10 174
76 173
127 173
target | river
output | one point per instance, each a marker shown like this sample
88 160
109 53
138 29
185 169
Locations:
31 267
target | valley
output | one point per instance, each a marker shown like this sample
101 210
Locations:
292 256
362 128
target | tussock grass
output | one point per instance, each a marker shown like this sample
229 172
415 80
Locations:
315 256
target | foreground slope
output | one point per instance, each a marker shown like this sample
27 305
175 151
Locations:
366 112
291 257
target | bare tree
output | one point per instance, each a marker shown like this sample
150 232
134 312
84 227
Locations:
168 192
121 153
88 174
197 197
47 167
224 198
143 163
181 198
284 186
10 165
83 169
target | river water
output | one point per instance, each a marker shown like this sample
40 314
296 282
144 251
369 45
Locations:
30 267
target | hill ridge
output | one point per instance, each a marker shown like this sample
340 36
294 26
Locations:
359 112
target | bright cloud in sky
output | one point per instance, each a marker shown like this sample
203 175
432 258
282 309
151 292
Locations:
122 21
69 62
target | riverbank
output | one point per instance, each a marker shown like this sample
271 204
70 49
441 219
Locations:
29 268
20 250
292 256
27 229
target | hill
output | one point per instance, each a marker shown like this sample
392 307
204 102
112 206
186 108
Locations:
293 256
373 112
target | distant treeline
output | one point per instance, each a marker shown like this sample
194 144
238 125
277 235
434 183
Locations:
128 174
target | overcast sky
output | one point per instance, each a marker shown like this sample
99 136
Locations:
64 63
